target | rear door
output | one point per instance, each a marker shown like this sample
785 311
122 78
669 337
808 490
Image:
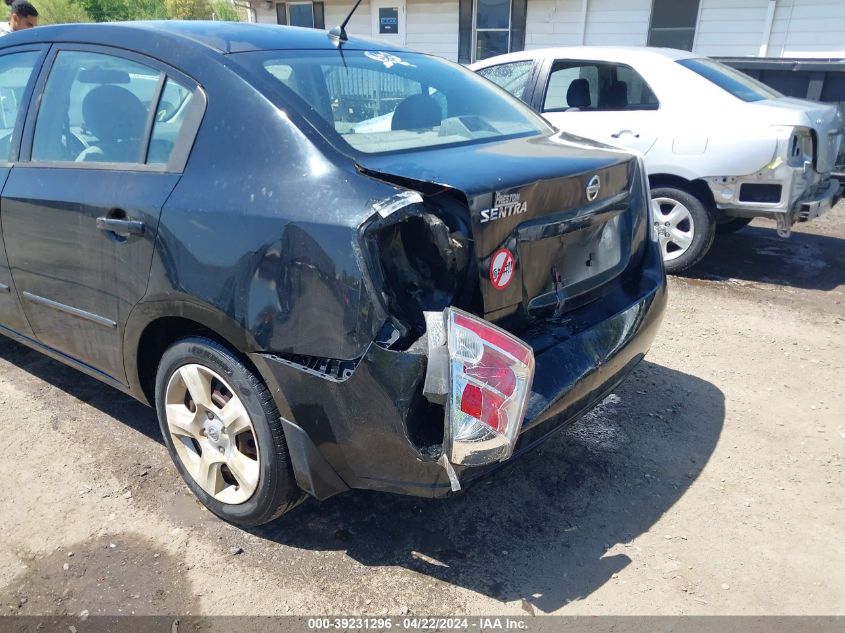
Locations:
101 154
18 69
605 101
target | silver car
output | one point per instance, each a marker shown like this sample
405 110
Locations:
720 147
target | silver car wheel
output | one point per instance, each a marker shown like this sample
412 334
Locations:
212 434
675 227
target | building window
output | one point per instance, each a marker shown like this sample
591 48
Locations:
307 14
673 23
492 28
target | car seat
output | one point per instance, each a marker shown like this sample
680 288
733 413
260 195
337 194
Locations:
578 95
415 113
118 120
617 96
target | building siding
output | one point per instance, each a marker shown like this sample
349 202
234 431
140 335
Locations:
730 27
800 28
432 27
609 22
809 28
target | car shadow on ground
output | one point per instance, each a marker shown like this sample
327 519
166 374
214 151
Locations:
540 530
757 254
82 387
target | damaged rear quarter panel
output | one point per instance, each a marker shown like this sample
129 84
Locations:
263 229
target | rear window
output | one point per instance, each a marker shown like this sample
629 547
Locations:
731 80
377 102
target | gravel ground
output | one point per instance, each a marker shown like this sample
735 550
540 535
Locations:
711 482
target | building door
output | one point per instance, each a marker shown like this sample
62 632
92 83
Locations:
388 19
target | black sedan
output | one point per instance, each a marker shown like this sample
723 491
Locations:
327 263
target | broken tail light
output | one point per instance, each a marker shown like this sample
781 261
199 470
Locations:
490 375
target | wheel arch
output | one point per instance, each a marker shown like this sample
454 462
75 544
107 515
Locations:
697 187
154 326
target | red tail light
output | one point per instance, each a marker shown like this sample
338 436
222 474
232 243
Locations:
490 375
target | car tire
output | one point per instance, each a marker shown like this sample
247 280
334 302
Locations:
687 227
732 225
224 433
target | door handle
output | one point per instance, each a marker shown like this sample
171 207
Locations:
123 227
621 132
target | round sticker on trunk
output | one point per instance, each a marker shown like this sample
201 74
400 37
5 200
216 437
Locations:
501 268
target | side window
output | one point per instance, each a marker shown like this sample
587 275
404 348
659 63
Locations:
284 73
597 86
628 91
572 86
95 108
174 106
15 71
512 77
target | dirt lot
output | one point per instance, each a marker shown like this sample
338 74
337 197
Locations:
710 483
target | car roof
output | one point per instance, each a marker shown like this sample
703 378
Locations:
597 53
222 37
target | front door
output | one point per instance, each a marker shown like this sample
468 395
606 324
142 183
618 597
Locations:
80 218
388 21
17 72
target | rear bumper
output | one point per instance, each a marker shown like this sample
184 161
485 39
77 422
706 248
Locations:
374 430
821 202
801 196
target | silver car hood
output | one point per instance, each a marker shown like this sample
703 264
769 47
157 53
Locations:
825 119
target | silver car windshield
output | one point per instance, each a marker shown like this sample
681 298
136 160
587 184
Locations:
377 102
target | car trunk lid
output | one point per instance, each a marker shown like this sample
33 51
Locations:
549 215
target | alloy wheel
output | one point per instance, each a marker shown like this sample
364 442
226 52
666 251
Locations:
212 433
675 227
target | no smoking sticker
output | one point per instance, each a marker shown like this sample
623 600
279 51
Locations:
501 268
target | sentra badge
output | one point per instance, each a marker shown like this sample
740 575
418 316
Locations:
506 205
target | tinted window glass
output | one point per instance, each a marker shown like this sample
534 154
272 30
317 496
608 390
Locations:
512 77
492 28
491 43
673 23
632 93
672 38
172 109
583 94
597 86
731 80
15 71
493 14
375 102
674 13
95 108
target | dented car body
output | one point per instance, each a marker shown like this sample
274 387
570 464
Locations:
358 273
734 148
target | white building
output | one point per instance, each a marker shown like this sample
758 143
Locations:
467 30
